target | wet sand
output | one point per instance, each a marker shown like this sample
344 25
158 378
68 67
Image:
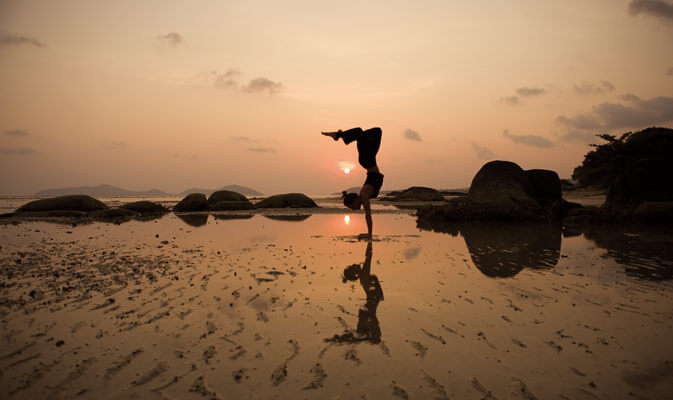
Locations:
257 307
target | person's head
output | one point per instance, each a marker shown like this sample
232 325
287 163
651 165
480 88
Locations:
352 273
351 200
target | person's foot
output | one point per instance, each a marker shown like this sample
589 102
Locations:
333 135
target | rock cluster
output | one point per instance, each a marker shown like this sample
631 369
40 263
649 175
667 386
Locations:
503 191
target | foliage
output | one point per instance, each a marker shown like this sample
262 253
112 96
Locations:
607 161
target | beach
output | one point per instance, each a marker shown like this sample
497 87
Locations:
235 305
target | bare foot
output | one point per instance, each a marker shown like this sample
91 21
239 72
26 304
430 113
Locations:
333 135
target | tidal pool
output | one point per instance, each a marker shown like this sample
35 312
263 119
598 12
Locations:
295 306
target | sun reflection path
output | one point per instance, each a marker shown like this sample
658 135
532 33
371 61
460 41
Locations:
347 219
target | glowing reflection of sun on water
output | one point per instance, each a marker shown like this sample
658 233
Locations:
347 219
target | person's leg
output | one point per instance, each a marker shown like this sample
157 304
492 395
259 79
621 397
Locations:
350 135
368 145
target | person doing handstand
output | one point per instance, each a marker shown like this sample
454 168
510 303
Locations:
368 143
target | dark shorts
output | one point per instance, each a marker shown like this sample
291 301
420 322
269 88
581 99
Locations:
375 179
368 142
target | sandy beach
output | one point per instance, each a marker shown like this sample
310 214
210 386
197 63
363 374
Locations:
258 307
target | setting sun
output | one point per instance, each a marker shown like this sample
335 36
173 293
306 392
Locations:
347 171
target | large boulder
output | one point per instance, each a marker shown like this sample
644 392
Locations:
502 191
644 180
501 181
192 202
419 193
225 200
75 202
654 211
225 195
288 200
546 185
231 205
145 207
116 215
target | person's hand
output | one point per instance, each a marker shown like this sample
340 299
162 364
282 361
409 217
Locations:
364 236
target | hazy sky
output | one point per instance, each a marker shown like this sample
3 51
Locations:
175 94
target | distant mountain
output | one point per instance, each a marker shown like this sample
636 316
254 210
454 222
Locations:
246 191
100 191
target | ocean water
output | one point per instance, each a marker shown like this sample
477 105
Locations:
295 306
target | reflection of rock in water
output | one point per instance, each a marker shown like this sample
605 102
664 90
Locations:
502 250
233 216
195 220
646 254
149 217
288 217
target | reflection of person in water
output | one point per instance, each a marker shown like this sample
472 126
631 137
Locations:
368 329
368 143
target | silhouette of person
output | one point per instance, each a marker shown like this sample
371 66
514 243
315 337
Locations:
368 329
368 143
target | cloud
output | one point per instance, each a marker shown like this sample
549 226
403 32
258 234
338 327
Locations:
222 79
590 88
412 135
580 121
530 91
640 114
16 132
261 150
512 100
670 72
630 97
576 136
21 151
637 114
655 8
261 84
242 139
171 39
483 153
10 39
528 140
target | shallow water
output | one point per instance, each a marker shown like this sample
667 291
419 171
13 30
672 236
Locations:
296 307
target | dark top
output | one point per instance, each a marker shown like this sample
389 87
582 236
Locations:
376 180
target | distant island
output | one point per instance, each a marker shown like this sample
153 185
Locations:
113 191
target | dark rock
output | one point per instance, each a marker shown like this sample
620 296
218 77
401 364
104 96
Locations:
289 200
419 193
70 203
502 182
113 215
546 185
225 195
466 209
145 207
192 202
231 205
502 191
654 212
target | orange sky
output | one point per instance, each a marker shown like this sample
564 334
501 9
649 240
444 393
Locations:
173 94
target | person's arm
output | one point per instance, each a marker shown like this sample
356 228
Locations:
364 197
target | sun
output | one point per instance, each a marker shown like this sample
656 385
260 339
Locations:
347 171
